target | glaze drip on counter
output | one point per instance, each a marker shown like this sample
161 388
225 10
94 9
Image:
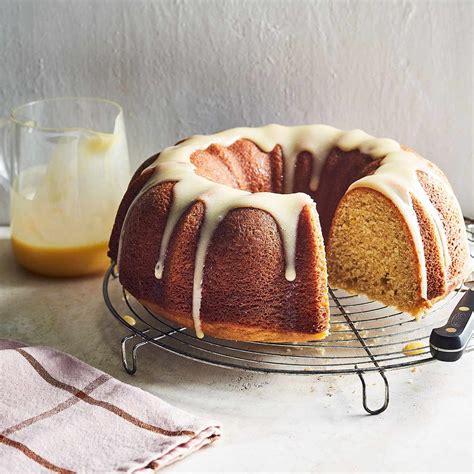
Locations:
395 177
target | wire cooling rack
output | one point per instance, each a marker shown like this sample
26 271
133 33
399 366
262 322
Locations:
366 336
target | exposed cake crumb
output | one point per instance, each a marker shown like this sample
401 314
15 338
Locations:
319 350
342 332
414 348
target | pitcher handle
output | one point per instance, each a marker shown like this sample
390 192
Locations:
5 169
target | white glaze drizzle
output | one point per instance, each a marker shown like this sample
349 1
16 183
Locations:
219 200
395 178
285 209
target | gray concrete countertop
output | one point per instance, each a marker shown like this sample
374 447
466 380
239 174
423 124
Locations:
271 422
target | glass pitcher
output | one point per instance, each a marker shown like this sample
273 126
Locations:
66 161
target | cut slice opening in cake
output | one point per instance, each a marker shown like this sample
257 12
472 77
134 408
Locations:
370 251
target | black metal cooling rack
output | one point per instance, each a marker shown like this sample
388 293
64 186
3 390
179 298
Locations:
366 336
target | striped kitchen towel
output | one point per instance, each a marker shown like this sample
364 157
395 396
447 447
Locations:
59 414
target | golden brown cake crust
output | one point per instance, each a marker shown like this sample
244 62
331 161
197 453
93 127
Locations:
136 184
446 205
435 274
235 332
340 170
244 286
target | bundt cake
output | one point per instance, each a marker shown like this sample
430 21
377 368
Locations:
221 232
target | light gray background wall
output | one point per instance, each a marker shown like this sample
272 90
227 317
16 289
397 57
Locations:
401 69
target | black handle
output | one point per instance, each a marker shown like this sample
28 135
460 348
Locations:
448 342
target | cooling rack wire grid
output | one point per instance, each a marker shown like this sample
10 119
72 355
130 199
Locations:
366 336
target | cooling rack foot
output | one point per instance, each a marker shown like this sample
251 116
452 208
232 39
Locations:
130 362
360 373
